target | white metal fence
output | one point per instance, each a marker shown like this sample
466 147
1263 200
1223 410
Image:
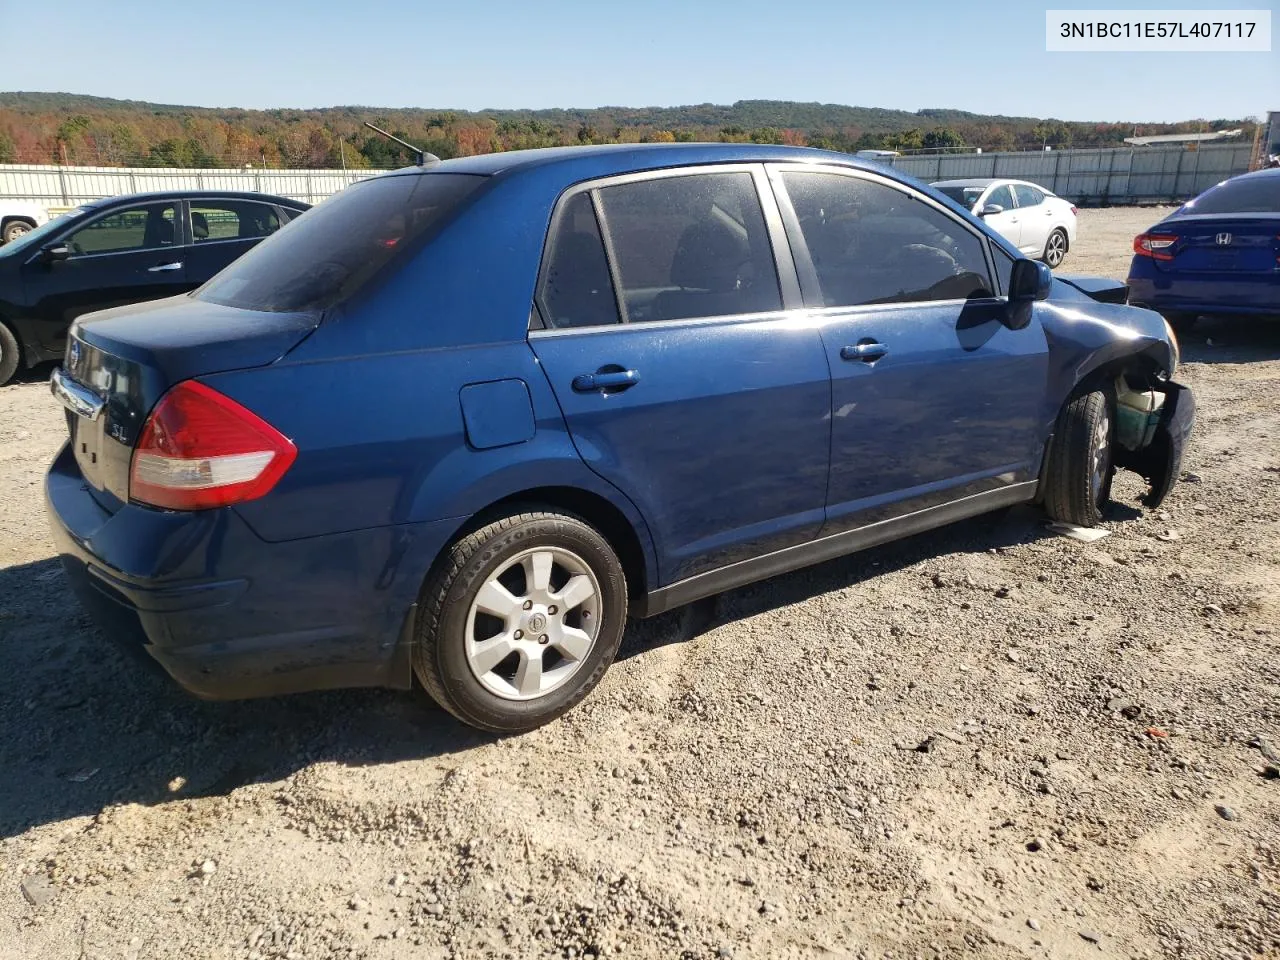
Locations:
1128 175
55 186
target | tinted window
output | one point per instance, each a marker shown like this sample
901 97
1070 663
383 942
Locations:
871 243
133 228
1242 195
1001 195
341 243
576 288
231 220
1027 196
691 246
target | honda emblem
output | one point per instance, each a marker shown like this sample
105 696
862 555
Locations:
1223 239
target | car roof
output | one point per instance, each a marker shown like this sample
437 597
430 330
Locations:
636 157
194 195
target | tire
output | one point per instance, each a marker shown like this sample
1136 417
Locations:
1081 462
16 228
459 644
1055 248
10 355
1181 322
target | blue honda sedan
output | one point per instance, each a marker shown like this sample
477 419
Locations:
1217 254
462 420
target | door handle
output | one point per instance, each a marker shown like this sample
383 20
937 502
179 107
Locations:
868 351
606 380
165 267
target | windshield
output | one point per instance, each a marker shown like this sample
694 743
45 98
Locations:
324 257
965 196
39 233
1241 195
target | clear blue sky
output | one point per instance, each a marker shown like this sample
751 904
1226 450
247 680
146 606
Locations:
986 56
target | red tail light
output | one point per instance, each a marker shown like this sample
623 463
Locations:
1155 245
201 449
1074 211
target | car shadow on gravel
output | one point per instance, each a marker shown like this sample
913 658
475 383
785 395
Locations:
82 726
994 531
40 372
1231 340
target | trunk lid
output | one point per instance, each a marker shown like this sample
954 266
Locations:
120 362
1222 243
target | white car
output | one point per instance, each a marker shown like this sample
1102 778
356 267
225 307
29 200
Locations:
18 217
1034 220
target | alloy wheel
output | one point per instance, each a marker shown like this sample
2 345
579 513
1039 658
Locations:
533 623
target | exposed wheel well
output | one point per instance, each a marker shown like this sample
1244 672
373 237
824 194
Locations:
589 507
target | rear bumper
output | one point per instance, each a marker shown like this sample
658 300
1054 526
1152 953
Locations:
228 615
1225 294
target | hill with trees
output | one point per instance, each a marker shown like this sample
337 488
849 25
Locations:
78 129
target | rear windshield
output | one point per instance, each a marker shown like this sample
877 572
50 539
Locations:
965 196
327 255
1243 195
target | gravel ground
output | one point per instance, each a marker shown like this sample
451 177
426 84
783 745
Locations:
984 741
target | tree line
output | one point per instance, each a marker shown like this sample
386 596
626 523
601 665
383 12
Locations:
73 129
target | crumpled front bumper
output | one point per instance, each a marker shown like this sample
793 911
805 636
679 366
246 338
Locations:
1160 463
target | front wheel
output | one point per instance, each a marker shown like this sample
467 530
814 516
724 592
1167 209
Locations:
1055 248
1077 482
10 358
520 621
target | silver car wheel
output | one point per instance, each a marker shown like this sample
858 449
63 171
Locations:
1101 456
533 623
1056 249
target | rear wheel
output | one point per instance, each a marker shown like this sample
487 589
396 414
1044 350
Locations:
1078 476
16 228
10 358
520 621
1055 248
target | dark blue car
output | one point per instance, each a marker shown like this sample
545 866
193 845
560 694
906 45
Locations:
1216 254
461 420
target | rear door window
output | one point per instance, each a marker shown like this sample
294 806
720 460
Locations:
689 246
871 243
341 243
146 227
213 220
576 287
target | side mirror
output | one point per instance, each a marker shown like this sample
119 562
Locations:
55 252
1029 280
990 210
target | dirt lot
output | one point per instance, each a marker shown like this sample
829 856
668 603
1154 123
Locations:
985 741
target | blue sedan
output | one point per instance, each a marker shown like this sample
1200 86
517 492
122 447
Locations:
462 420
1218 254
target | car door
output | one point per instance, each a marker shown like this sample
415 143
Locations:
222 230
1035 218
683 379
933 397
1008 222
126 255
